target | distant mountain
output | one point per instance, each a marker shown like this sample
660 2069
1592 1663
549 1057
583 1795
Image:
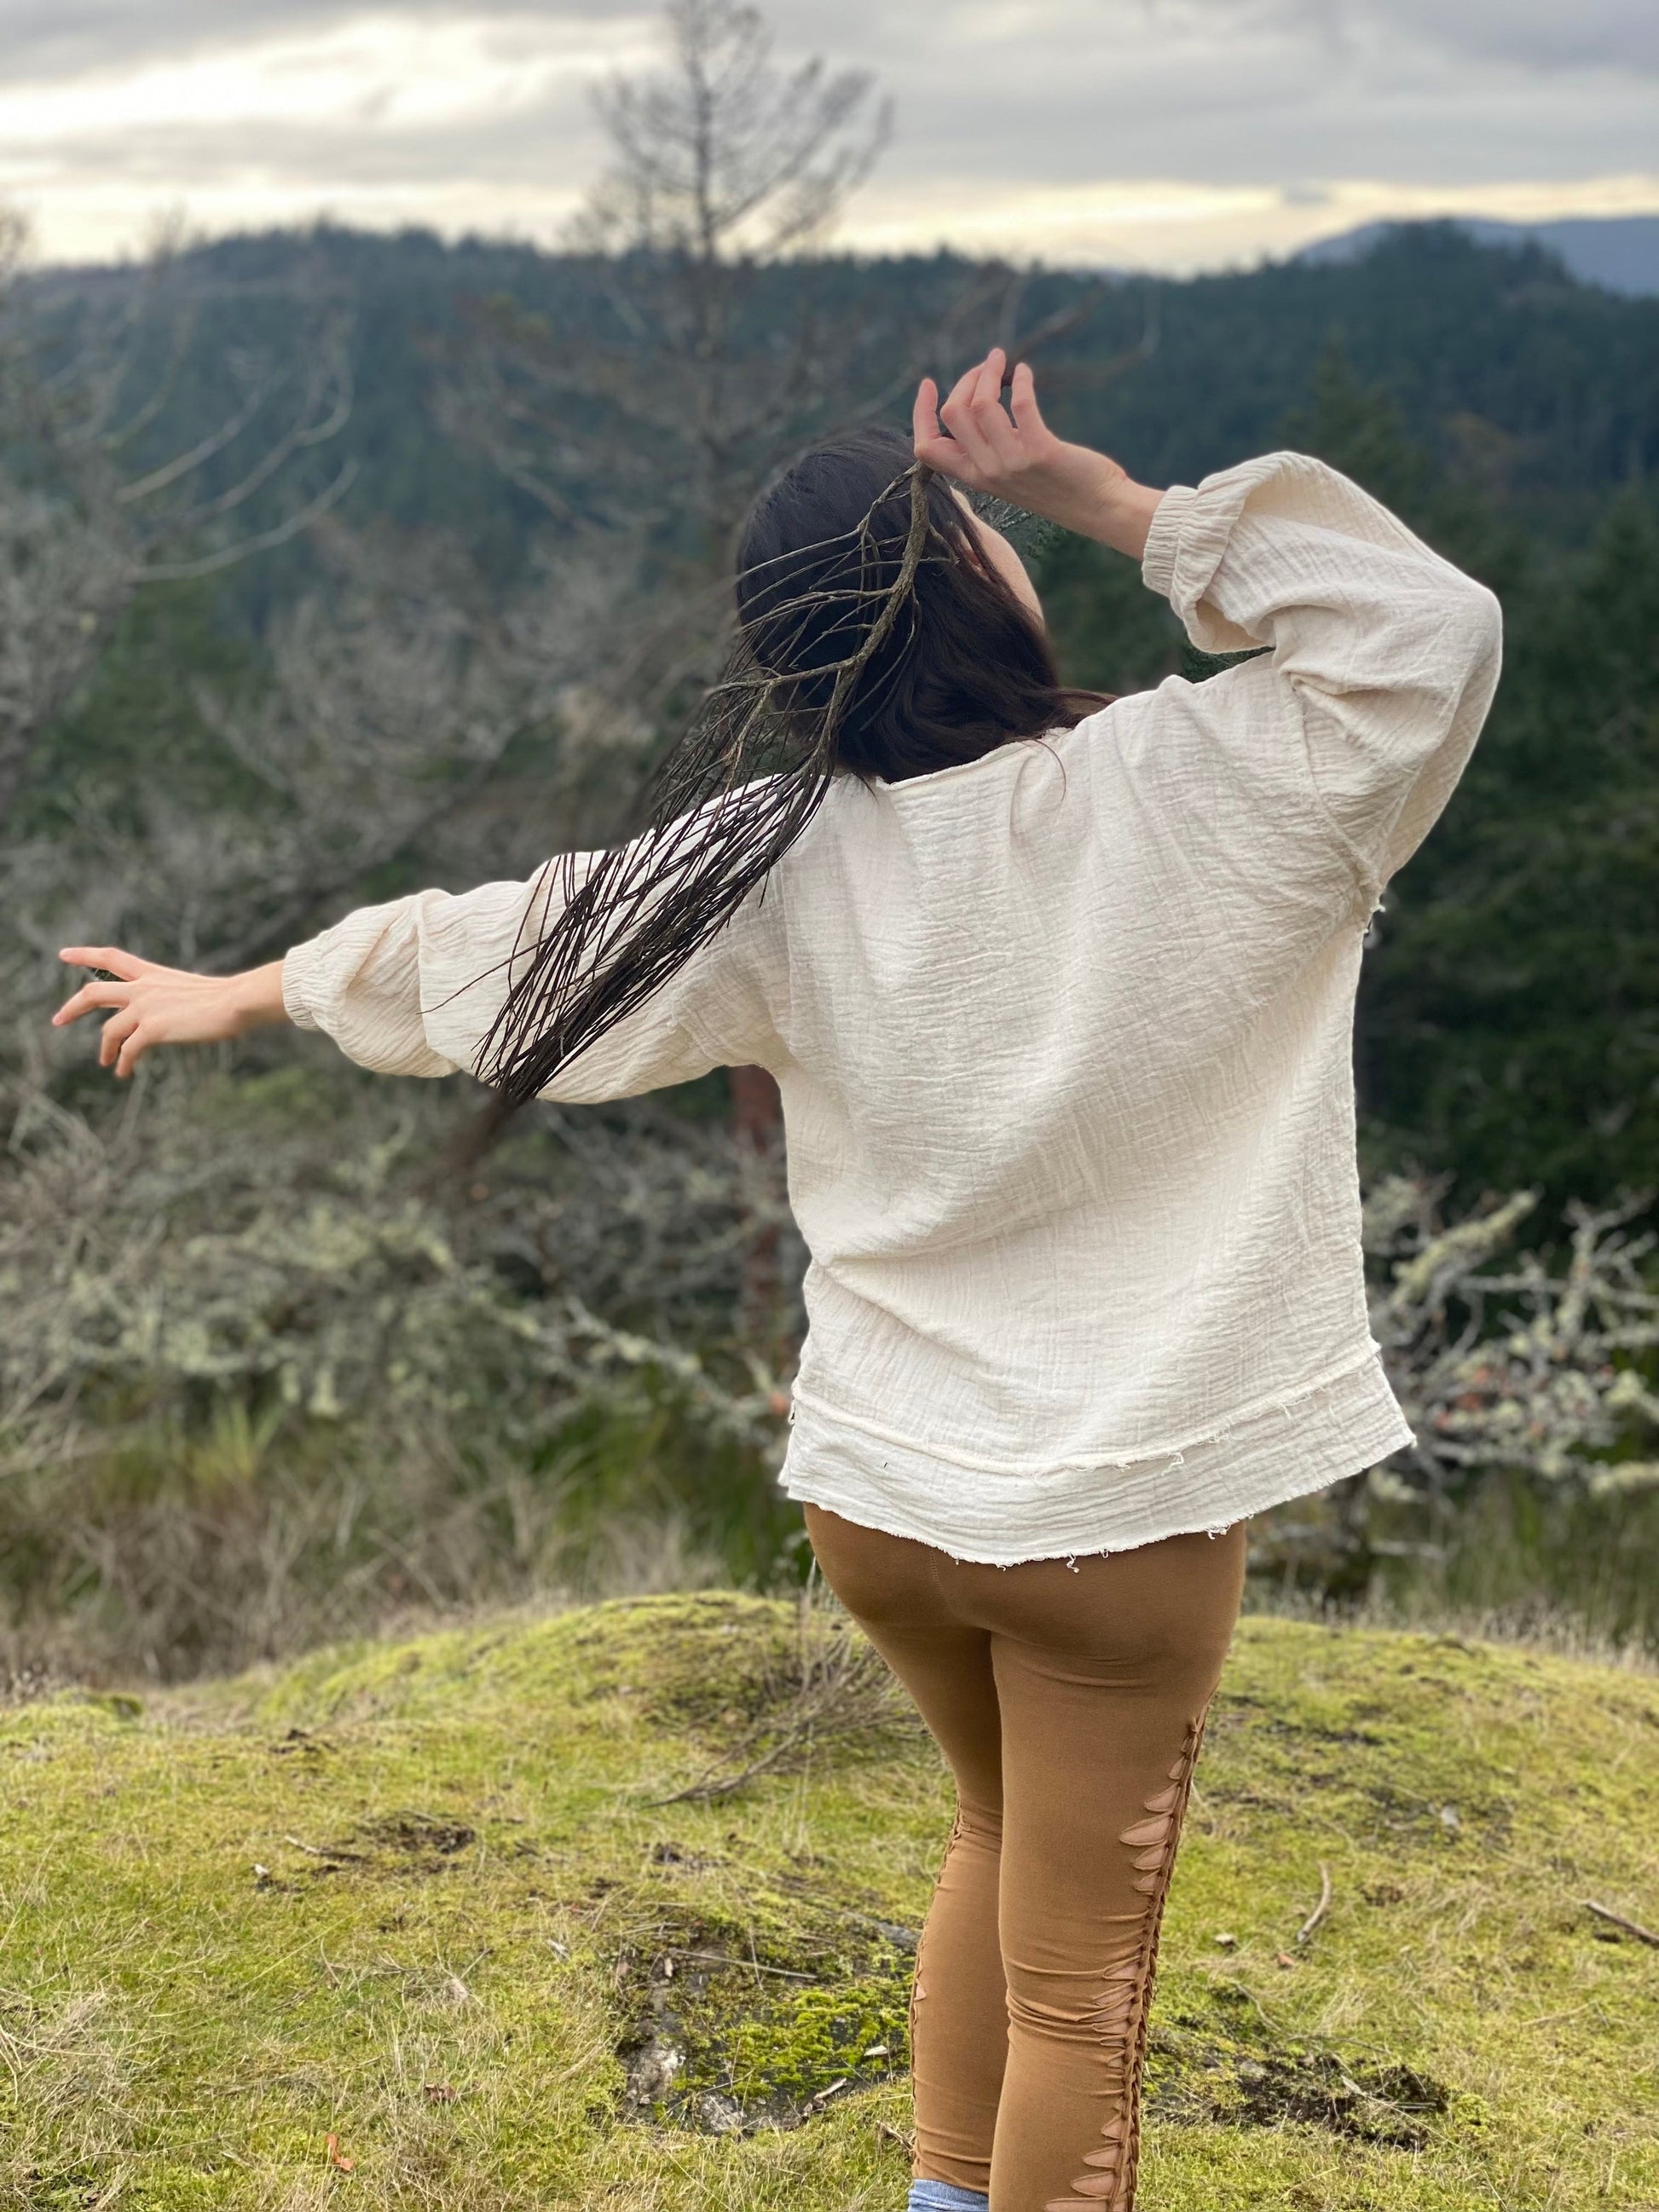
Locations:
1619 253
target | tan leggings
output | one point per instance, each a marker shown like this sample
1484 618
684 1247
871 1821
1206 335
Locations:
1069 1702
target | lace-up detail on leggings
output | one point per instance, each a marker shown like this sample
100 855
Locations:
1125 2001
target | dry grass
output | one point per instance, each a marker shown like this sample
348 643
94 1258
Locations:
832 1688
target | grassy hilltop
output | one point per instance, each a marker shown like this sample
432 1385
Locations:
409 1924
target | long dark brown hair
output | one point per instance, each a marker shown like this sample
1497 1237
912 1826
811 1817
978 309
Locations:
873 638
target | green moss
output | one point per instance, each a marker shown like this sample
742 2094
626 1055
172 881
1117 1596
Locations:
726 2035
822 2037
426 1897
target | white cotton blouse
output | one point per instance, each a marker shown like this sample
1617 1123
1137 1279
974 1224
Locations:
1063 1037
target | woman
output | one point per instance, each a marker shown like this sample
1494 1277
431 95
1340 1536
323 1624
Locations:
1058 996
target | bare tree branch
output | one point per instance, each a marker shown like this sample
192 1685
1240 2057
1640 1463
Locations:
263 541
1516 1366
195 457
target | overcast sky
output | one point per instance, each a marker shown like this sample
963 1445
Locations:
1172 134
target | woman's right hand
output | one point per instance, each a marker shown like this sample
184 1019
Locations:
1011 454
150 1005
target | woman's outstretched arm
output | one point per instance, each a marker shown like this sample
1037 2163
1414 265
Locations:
149 1005
413 987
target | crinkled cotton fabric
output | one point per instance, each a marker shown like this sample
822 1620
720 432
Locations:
1064 1038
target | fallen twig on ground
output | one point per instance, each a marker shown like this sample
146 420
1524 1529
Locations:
1630 1927
1320 1910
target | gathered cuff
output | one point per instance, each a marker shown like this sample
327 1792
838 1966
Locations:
299 964
1163 538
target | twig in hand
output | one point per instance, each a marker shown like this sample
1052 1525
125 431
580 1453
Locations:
1321 1909
1630 1927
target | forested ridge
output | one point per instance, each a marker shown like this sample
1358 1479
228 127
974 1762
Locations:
1519 380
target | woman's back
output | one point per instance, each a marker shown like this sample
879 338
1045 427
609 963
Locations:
1063 1041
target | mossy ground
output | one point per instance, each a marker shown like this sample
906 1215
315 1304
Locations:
419 1898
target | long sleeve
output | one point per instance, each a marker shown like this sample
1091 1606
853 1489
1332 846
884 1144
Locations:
1383 656
411 987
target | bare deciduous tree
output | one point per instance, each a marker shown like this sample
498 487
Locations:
391 705
714 350
654 423
722 165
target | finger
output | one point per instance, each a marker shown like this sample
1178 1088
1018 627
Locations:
127 965
989 417
115 1032
987 385
1023 402
961 390
958 414
947 458
931 445
88 996
131 1053
923 416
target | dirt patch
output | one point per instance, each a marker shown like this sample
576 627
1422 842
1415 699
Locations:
1237 2070
417 1835
399 1842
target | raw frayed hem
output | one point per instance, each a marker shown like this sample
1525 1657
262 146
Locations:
1105 1552
1352 1437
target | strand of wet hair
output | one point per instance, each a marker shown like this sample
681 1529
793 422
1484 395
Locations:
732 797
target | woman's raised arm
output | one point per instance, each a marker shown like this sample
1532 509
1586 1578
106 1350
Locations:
1383 656
1013 454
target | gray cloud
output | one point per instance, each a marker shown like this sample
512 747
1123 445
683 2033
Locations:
1529 34
1533 34
43 41
1014 94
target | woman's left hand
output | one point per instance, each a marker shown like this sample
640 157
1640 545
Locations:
1013 454
151 1004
